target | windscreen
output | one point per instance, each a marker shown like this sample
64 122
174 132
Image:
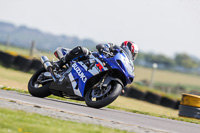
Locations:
127 52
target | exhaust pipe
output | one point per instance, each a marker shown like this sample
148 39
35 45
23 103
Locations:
45 62
48 66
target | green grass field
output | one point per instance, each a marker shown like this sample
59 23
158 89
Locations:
13 121
167 77
25 52
13 78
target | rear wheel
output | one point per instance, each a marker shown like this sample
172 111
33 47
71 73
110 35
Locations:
98 98
38 89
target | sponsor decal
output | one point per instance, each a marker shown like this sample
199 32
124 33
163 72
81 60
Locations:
99 66
64 52
79 72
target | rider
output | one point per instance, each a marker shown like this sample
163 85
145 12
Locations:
129 45
75 53
82 52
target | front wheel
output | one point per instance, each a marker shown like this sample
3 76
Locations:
98 98
38 89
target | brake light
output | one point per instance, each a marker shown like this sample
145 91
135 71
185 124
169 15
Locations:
56 54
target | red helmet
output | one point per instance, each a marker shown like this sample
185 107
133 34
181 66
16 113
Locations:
132 47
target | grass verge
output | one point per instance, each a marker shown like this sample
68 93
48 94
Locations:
191 120
23 122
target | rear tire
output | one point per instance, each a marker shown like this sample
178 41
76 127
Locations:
115 92
42 91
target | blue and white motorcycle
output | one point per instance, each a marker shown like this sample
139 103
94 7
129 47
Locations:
98 80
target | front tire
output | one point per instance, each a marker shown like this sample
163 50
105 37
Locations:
40 91
114 92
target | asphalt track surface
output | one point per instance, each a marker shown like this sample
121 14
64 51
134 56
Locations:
124 118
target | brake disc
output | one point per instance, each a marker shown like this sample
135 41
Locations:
97 93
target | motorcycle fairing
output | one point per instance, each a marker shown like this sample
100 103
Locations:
116 63
74 85
80 74
65 86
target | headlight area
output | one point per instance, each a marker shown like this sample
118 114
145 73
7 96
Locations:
126 66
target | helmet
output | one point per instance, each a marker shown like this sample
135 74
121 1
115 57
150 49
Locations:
133 48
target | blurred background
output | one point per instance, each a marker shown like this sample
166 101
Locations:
167 33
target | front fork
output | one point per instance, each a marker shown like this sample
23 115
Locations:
99 84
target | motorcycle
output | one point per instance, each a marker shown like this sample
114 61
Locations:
97 80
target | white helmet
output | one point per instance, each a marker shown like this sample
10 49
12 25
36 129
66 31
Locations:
132 47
